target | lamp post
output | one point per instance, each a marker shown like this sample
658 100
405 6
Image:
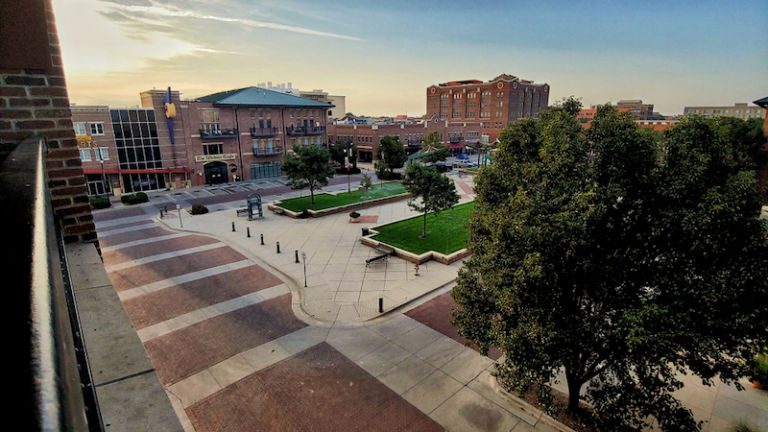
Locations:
346 166
101 161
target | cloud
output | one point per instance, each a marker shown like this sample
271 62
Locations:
158 11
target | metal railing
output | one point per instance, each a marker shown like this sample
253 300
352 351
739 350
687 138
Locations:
214 130
57 394
305 130
263 132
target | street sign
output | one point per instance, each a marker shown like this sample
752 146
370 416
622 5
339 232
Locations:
178 206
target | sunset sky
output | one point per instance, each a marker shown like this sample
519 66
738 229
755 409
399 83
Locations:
383 54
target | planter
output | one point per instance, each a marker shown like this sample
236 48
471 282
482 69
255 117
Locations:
354 220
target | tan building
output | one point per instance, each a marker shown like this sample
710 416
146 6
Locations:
739 110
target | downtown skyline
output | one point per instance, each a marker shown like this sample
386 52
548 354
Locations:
383 57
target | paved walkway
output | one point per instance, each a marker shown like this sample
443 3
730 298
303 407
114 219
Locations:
234 349
239 344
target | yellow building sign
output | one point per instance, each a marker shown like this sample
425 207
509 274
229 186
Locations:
215 157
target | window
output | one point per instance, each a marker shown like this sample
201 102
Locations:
211 149
85 155
102 153
97 128
80 129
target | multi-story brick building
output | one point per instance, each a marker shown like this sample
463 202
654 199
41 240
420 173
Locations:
493 104
455 135
228 136
739 110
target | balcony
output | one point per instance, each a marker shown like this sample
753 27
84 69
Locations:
263 132
455 139
305 130
267 151
214 131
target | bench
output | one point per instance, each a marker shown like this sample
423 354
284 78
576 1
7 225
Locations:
386 252
242 211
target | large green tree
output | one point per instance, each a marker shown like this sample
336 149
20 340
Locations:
308 166
391 155
620 259
431 191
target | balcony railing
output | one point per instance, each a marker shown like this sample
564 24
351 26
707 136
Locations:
305 130
264 132
214 131
267 151
57 393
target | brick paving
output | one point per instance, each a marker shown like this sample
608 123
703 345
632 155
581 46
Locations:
436 314
316 390
109 214
148 222
192 349
171 302
115 239
155 248
133 277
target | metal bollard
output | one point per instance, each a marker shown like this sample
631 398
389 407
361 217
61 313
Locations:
165 207
161 213
233 227
381 305
297 255
278 247
248 232
262 239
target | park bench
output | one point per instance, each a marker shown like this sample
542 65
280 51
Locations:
386 251
242 211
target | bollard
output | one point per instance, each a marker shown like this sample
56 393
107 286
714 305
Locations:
297 255
262 239
248 232
278 247
233 227
166 208
161 213
381 305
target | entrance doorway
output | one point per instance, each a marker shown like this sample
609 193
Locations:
215 172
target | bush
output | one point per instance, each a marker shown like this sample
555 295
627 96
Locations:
100 203
198 209
354 215
742 427
759 366
390 176
304 214
136 198
350 170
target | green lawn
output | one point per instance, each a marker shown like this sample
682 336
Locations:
446 233
324 201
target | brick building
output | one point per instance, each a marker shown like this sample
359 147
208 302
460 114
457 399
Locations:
493 104
227 136
34 103
455 135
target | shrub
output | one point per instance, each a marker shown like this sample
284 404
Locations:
198 209
742 427
100 203
137 198
304 214
354 215
759 366
390 175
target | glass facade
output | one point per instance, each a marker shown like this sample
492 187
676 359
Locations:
136 138
266 170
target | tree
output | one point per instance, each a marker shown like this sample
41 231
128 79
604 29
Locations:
619 259
390 154
308 166
437 192
434 143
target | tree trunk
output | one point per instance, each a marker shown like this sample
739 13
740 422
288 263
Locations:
574 389
424 227
312 194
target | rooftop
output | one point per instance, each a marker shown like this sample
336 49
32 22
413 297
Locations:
255 96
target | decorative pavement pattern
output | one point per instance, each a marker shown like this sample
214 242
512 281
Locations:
226 325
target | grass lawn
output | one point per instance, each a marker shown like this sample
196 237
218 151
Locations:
446 233
324 200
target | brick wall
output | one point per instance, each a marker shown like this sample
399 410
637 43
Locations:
34 101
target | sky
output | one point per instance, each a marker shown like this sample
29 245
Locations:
382 55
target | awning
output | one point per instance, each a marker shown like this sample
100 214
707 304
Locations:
456 146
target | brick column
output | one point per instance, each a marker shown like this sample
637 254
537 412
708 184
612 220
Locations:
34 101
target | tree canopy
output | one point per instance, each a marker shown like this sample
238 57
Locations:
619 258
434 143
308 166
391 155
430 191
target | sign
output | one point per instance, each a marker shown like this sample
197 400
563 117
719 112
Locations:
85 141
215 157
